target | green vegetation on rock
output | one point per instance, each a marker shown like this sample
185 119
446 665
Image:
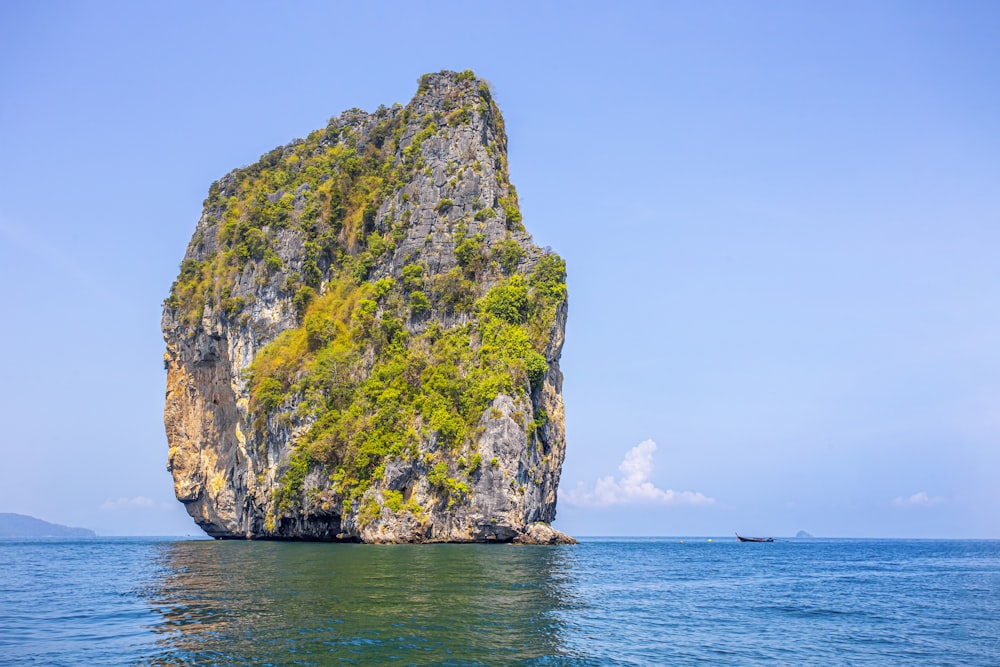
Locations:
371 389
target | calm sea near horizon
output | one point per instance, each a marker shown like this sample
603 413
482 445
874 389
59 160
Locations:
653 601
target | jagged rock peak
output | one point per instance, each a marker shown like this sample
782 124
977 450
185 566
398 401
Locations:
363 341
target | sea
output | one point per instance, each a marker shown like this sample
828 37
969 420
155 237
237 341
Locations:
606 601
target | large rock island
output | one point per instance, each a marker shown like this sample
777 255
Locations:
363 342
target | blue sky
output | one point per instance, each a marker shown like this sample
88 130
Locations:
780 221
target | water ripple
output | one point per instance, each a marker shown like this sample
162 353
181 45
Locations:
604 602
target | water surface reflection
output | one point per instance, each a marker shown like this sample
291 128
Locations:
265 603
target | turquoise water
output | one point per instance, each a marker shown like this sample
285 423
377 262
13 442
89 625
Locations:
603 602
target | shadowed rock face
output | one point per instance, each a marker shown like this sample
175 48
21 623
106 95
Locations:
363 342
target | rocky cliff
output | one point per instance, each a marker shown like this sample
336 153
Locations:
363 342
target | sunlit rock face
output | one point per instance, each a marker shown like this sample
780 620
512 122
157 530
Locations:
363 341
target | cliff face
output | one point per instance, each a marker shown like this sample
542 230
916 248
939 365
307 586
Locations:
363 342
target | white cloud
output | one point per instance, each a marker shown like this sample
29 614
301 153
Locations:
122 503
919 499
633 486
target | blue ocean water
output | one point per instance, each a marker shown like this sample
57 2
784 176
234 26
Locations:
143 601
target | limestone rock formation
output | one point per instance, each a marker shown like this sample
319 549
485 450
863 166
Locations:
363 342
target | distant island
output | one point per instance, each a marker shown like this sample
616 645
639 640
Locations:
22 525
802 534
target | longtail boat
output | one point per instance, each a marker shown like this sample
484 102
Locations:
754 539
